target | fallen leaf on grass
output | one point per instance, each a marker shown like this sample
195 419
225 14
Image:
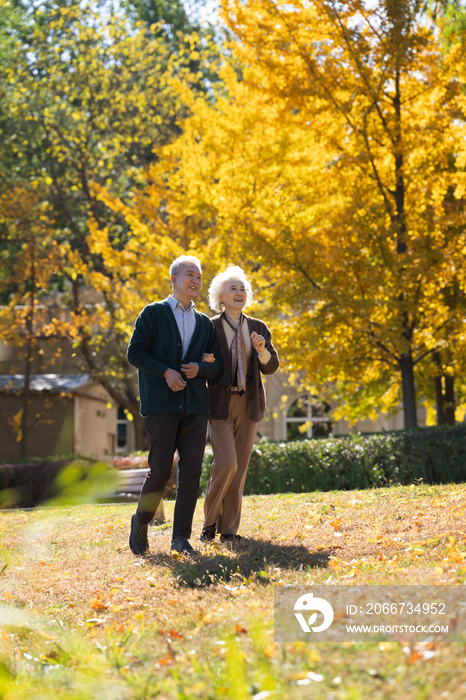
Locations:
240 630
438 570
415 656
168 659
269 650
336 524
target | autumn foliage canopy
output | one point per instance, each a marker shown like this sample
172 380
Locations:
327 157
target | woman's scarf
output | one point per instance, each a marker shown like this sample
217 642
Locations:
237 356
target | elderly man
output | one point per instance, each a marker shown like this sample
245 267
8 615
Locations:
167 346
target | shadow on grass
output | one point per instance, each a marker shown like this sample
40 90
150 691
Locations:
239 562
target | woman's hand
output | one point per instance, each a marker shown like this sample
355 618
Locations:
258 342
208 357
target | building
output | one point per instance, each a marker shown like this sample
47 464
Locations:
67 414
283 417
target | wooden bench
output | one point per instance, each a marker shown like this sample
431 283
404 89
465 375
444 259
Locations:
130 481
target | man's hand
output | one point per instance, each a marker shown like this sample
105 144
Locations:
174 380
190 370
258 342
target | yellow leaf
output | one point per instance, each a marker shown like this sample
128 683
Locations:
269 650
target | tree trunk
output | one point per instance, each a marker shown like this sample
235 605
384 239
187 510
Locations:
445 398
450 402
26 394
28 358
139 433
439 400
409 391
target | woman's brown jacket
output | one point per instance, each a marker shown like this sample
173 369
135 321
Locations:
219 396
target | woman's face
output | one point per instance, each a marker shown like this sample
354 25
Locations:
234 296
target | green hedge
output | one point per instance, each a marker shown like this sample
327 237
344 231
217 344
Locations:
28 483
67 481
433 455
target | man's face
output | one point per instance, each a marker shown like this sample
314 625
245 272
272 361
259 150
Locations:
187 283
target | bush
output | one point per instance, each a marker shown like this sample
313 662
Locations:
431 455
28 484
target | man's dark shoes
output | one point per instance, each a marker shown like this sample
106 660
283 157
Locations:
182 546
208 533
230 538
138 541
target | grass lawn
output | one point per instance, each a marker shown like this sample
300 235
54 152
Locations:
97 622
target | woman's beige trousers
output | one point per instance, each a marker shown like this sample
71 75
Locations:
232 442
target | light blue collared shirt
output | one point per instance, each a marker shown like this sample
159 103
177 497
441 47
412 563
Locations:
185 320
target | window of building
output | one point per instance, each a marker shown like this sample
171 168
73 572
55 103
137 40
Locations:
308 417
122 431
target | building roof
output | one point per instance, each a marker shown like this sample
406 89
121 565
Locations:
52 383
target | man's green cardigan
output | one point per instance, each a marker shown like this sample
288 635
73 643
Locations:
155 346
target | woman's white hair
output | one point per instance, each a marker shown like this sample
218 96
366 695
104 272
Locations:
218 285
178 264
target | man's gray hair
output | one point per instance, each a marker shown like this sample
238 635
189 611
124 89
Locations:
178 264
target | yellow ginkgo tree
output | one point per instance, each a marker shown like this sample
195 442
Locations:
333 168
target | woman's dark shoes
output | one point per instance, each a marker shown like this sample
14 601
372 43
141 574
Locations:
230 538
138 541
208 533
182 546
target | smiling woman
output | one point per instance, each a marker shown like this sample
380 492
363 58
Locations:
237 400
224 286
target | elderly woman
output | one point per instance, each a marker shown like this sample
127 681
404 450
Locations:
237 400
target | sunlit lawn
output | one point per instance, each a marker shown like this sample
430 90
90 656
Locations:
97 622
